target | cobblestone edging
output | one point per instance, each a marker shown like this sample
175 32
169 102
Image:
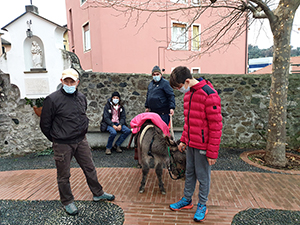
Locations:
244 156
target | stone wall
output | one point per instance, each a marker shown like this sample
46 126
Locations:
245 100
19 126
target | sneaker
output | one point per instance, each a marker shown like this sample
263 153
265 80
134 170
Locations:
118 149
71 209
182 204
200 213
105 196
108 151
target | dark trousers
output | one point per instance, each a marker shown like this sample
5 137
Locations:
63 154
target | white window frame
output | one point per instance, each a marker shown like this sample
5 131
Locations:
82 2
195 68
195 2
176 43
86 37
180 1
192 37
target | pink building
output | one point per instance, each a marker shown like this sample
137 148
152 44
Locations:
105 42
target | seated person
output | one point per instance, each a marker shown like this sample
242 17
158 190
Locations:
114 120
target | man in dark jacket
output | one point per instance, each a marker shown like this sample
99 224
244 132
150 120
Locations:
114 120
160 97
64 123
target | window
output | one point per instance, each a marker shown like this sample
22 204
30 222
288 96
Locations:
179 1
195 70
179 36
195 2
87 37
196 38
82 1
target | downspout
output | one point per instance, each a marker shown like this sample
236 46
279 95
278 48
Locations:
163 47
91 50
246 50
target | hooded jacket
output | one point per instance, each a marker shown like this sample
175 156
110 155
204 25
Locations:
107 115
63 118
202 119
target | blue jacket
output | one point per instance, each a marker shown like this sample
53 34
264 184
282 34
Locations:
160 97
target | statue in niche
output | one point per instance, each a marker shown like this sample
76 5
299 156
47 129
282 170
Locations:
37 55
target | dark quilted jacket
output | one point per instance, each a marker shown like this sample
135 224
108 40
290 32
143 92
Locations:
63 118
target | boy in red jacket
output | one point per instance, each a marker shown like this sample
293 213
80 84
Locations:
201 136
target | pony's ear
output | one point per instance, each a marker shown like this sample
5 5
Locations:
167 140
170 142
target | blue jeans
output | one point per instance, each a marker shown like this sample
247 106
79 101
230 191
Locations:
166 118
125 132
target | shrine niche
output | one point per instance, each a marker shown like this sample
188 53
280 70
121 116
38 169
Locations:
34 55
37 55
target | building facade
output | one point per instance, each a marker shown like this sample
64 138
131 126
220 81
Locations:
36 58
108 41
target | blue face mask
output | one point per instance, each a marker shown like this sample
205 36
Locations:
183 90
115 101
69 89
156 78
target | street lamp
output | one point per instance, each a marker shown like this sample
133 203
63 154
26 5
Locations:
29 31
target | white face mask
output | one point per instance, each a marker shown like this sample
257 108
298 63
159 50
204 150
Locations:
156 78
115 101
183 90
69 89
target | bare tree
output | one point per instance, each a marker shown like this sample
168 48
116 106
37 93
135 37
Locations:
221 33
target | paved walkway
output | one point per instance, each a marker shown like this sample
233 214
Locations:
231 192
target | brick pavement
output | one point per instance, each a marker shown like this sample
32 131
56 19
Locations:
230 193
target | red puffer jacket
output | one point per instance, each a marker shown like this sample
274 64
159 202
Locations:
203 119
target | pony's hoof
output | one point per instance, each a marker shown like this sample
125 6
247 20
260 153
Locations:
142 190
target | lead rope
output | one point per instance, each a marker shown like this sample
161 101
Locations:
171 128
169 168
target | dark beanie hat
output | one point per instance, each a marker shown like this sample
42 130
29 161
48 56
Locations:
156 69
115 94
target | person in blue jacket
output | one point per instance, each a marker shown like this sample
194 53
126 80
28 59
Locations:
160 96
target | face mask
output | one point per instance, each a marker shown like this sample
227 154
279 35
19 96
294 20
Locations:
183 90
156 78
115 101
69 89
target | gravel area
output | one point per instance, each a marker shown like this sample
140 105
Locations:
52 213
229 159
266 217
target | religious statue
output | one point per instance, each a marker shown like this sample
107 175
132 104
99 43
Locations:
37 55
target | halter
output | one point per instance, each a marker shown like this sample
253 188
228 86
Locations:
180 173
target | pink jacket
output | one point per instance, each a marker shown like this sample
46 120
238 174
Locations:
202 119
140 119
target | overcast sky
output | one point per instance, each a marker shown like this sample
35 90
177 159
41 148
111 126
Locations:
55 11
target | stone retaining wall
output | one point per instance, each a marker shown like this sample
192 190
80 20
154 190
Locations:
245 100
